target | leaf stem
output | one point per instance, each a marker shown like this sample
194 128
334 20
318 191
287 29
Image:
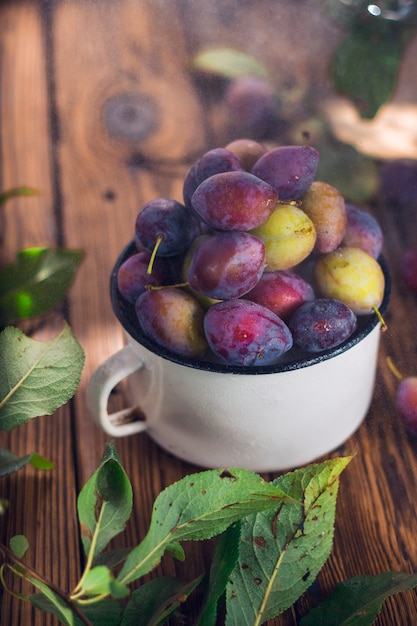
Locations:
93 599
77 592
152 556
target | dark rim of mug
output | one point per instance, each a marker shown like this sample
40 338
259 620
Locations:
125 313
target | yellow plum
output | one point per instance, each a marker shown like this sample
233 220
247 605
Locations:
289 236
352 276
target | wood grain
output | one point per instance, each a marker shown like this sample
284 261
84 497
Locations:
98 110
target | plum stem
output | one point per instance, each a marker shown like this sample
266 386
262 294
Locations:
156 287
158 242
378 313
394 369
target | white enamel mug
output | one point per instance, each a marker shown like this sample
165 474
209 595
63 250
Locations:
268 418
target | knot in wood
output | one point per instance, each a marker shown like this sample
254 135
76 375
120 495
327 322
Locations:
131 116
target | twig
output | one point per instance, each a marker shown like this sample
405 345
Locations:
11 559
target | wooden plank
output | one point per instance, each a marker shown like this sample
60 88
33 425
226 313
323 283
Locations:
41 503
24 131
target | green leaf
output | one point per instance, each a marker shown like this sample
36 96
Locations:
108 487
104 613
54 603
10 463
365 65
228 63
39 462
99 581
111 558
282 551
226 554
357 601
18 191
156 600
36 377
198 507
36 282
176 550
19 545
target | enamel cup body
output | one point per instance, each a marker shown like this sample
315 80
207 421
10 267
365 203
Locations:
268 418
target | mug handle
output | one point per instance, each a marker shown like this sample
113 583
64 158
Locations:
107 375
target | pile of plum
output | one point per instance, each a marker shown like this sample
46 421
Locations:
258 259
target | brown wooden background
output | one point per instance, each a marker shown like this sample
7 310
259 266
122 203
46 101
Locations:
76 80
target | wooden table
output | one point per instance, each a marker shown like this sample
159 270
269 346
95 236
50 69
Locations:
76 80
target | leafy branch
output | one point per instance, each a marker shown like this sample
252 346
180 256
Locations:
16 566
197 507
272 539
30 287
